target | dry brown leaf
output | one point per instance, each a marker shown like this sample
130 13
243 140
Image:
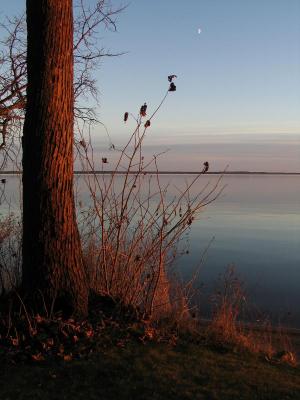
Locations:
38 357
68 357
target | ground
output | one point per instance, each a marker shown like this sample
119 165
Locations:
153 371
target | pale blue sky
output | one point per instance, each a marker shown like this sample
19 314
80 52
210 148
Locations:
238 86
242 72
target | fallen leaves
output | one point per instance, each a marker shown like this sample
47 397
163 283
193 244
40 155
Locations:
46 338
37 338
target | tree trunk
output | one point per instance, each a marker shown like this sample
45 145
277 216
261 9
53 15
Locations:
52 254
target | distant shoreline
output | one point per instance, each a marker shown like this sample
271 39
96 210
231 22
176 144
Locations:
168 173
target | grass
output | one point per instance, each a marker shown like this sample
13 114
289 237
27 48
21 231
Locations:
126 358
153 371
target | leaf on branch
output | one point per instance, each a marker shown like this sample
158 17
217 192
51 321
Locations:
126 116
206 166
147 124
190 220
172 87
82 143
143 110
171 77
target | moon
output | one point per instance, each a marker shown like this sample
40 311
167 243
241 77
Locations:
199 30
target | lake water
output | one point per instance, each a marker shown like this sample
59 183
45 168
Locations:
255 223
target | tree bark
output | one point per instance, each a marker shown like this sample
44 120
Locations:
52 254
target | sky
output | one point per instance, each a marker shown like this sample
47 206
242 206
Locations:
238 88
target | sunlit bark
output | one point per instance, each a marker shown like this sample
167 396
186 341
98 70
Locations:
52 255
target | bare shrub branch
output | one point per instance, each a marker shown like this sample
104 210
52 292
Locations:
131 231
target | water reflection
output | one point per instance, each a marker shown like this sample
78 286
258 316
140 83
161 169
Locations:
255 223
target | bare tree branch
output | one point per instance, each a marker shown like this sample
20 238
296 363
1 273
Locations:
88 21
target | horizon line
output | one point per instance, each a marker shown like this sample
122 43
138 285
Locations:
170 172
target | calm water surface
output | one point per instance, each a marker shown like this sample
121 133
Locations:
255 224
256 227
